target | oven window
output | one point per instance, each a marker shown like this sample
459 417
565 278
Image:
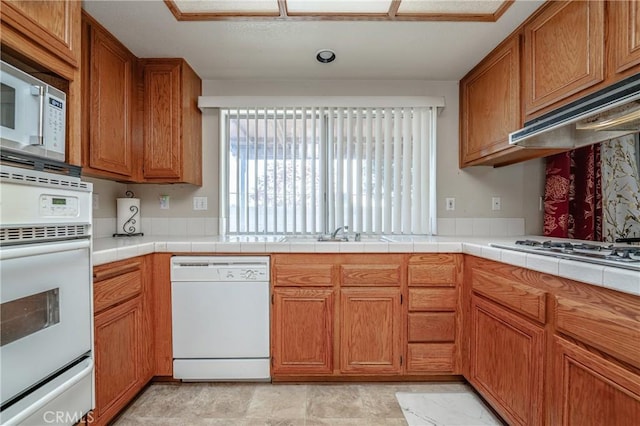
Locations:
7 106
25 316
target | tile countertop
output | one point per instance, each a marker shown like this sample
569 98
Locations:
107 250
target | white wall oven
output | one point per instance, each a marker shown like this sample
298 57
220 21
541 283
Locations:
46 300
32 115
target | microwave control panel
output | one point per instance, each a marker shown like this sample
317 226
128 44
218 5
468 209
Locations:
55 124
58 206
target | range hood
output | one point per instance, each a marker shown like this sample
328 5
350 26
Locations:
606 114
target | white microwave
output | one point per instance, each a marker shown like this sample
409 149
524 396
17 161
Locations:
32 115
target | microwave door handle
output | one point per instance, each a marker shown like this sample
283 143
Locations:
39 138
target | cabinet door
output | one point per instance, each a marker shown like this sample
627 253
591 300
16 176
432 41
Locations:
506 364
591 390
370 326
54 25
563 52
162 120
490 104
117 342
302 331
110 104
624 26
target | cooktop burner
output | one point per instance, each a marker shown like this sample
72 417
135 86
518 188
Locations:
624 256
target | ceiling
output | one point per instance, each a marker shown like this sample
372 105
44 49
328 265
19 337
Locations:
286 49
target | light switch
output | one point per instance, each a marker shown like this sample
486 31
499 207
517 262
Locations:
164 202
200 203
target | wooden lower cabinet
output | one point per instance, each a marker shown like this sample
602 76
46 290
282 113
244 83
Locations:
123 335
506 362
338 315
370 331
302 339
117 341
592 390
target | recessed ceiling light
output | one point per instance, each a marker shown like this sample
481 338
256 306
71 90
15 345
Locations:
325 56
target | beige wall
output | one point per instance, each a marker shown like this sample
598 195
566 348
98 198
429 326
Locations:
519 185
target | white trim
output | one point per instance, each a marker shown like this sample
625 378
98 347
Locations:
319 101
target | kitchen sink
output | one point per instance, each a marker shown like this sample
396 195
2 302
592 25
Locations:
329 239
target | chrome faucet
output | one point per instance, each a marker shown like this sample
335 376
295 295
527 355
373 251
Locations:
344 230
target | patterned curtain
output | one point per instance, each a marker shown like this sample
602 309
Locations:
573 195
621 188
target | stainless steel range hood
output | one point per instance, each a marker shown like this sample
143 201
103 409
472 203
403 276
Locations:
606 114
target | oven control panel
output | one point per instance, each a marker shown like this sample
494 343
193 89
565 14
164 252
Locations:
58 206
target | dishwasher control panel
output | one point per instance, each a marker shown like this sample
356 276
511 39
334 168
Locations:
220 268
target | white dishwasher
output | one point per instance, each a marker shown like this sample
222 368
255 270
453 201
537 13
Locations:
220 312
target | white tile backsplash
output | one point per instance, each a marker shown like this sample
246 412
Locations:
178 226
104 227
211 226
464 226
446 226
195 226
159 226
482 227
515 226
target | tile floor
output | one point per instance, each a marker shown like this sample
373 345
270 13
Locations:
248 404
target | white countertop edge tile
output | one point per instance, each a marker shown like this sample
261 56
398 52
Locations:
204 247
580 271
108 250
544 264
621 280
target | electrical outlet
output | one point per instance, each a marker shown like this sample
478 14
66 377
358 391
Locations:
450 203
164 202
96 201
496 203
200 203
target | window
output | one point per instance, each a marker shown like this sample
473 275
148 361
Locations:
310 170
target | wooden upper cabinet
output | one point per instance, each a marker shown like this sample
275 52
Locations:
623 23
50 26
109 88
172 123
563 53
490 104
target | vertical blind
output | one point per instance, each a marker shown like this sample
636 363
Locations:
310 170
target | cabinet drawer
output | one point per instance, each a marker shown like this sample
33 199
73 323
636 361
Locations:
432 299
118 288
431 358
432 327
440 270
617 333
370 275
303 275
524 299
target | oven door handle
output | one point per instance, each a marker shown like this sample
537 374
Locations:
14 252
45 399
